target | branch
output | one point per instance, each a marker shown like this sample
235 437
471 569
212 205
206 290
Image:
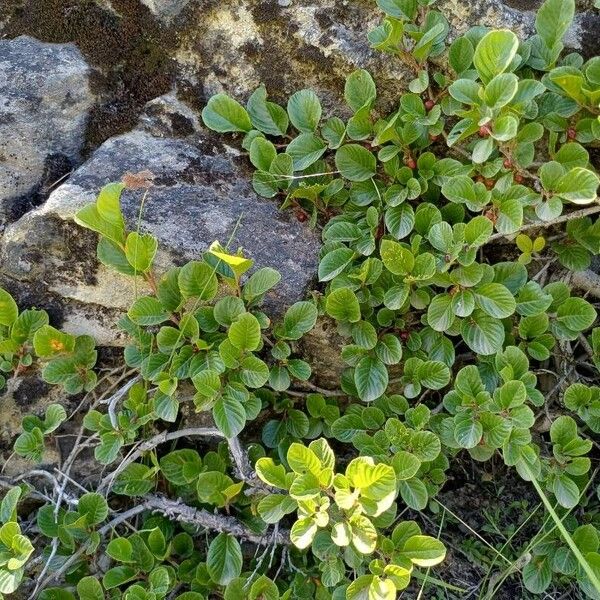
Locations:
112 401
178 511
577 214
586 280
242 466
150 444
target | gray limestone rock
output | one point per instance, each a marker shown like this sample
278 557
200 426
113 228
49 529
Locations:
201 193
45 98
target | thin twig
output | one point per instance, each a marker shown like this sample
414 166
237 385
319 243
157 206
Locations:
152 443
577 214
112 401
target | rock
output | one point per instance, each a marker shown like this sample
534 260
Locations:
165 9
201 194
167 116
237 45
45 99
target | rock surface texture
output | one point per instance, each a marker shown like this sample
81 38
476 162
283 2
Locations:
45 99
200 194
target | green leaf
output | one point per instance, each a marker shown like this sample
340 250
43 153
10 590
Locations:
224 114
94 507
304 109
576 314
147 310
305 149
54 416
396 258
55 593
495 300
255 372
8 506
111 254
244 332
401 9
210 487
359 90
376 482
478 231
271 473
229 415
90 218
500 91
268 117
118 576
120 549
140 250
566 491
274 507
371 378
440 312
433 374
334 262
135 480
89 588
553 19
181 467
537 574
262 153
461 54
424 550
260 283
466 91
224 559
197 280
303 532
303 460
482 333
342 305
299 319
578 186
207 383
467 430
355 162
389 349
9 310
49 342
333 130
494 53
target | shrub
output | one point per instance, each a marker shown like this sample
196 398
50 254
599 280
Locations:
486 147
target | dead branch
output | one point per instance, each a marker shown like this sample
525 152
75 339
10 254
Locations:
242 466
577 214
588 281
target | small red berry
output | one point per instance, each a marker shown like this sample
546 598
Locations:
507 163
571 133
404 335
518 178
301 216
433 138
480 179
489 183
411 163
429 104
484 131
